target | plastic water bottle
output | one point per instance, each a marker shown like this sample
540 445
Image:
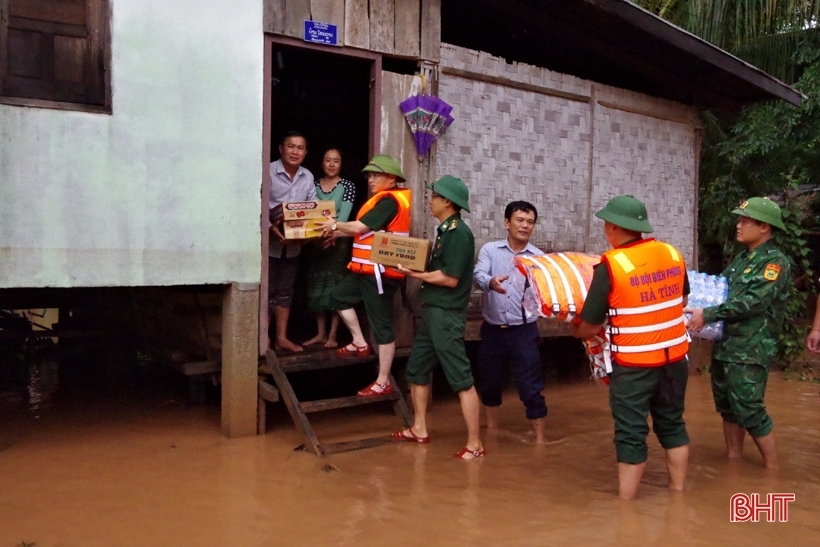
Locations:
694 289
707 291
711 291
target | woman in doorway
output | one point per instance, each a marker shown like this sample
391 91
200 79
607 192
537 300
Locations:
329 264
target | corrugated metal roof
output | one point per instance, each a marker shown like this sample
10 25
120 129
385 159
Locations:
613 42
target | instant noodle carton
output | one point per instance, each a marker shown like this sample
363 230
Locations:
303 229
392 250
300 219
303 210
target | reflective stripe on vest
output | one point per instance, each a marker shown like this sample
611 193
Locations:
645 326
646 309
649 347
363 243
559 281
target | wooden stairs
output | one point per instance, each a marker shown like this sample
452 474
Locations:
280 367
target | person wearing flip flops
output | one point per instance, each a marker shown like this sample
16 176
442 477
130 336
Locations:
387 210
445 294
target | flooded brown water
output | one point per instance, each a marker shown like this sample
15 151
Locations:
135 473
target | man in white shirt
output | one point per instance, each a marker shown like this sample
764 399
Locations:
289 181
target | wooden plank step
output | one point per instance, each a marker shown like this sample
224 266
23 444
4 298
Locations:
344 402
335 448
196 368
327 359
268 392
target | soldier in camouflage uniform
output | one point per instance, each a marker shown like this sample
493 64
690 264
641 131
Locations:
752 314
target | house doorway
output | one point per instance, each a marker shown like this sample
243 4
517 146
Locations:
328 97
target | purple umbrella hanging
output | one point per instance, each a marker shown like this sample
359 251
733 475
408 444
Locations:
428 116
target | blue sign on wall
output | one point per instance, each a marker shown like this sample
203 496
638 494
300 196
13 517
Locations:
321 33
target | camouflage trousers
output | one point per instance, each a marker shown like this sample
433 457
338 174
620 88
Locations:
738 390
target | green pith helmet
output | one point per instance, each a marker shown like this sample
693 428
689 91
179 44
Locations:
385 164
627 212
453 189
763 210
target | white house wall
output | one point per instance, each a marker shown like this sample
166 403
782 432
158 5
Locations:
166 190
567 145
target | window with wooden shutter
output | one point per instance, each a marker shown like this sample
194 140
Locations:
55 50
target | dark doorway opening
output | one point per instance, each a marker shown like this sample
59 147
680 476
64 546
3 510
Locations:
326 97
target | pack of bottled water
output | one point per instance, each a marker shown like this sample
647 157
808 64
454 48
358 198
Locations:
707 291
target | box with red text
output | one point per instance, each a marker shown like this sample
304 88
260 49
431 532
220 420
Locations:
392 250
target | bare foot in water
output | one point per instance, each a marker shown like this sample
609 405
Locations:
491 416
318 339
287 345
532 438
331 343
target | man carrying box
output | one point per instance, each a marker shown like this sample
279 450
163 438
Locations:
289 181
445 294
387 210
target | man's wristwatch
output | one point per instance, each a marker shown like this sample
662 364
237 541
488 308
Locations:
333 227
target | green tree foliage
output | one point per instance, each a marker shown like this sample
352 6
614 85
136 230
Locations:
765 33
772 149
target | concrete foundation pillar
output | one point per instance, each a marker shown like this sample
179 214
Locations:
240 333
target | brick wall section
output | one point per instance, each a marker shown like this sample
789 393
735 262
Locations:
535 144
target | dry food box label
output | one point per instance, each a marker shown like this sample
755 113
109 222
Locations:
392 250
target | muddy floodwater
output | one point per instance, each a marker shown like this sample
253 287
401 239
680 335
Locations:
144 472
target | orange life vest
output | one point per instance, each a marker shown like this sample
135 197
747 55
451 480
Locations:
362 243
645 327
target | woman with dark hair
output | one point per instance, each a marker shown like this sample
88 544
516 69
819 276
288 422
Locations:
329 264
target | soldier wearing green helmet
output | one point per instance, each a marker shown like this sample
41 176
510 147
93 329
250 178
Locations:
445 295
639 314
388 209
752 315
386 164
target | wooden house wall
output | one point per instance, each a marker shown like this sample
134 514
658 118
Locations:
402 28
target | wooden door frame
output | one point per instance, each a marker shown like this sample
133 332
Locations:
374 143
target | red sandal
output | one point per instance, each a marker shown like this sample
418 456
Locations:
464 451
352 350
408 436
375 389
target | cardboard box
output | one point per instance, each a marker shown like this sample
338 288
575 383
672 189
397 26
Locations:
392 250
303 210
303 229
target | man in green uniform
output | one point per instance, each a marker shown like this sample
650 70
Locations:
752 316
445 294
